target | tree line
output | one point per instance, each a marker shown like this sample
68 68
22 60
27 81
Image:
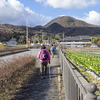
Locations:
95 40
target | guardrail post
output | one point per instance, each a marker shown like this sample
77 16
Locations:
91 89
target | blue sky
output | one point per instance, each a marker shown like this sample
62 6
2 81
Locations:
40 12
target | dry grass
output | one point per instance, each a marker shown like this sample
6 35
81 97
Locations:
90 78
14 73
3 46
6 49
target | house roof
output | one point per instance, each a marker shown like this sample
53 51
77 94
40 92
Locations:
84 37
35 39
76 38
72 38
11 40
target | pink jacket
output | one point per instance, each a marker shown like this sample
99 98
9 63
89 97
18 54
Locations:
38 56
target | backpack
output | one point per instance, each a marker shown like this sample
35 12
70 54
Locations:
43 55
52 49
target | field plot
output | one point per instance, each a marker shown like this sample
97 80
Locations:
6 49
86 61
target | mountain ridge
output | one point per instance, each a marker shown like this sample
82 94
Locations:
67 21
69 25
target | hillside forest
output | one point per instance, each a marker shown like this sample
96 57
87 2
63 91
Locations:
18 33
53 30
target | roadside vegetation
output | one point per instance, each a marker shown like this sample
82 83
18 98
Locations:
95 40
4 46
13 73
6 49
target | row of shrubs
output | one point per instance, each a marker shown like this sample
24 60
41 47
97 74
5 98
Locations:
11 71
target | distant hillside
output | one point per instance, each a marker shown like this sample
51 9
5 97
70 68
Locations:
67 21
70 26
39 26
8 31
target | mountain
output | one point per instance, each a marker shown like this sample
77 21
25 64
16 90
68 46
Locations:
67 21
72 27
69 25
38 26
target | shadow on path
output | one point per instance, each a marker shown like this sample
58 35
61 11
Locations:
36 88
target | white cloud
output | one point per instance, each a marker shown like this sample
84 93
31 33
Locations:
92 17
61 15
14 12
66 4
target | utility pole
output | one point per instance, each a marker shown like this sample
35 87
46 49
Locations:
42 37
20 40
63 40
27 32
48 40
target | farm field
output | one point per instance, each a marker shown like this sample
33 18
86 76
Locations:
84 49
3 46
6 49
86 61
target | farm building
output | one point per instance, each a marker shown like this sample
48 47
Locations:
11 42
77 39
80 40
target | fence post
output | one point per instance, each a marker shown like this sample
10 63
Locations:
91 89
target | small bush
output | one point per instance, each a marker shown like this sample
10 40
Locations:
12 74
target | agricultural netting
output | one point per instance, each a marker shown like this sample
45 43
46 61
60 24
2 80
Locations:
89 61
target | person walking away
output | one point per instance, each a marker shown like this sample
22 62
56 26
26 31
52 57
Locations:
44 57
55 49
52 50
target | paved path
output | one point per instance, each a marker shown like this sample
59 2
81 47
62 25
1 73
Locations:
48 88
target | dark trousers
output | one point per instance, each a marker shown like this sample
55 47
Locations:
43 68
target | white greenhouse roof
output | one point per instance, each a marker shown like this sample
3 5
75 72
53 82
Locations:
75 42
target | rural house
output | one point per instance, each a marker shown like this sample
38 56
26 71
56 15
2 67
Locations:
11 42
34 39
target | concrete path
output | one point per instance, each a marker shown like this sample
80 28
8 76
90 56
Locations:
48 88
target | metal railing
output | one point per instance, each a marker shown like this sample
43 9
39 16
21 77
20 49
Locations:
74 89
